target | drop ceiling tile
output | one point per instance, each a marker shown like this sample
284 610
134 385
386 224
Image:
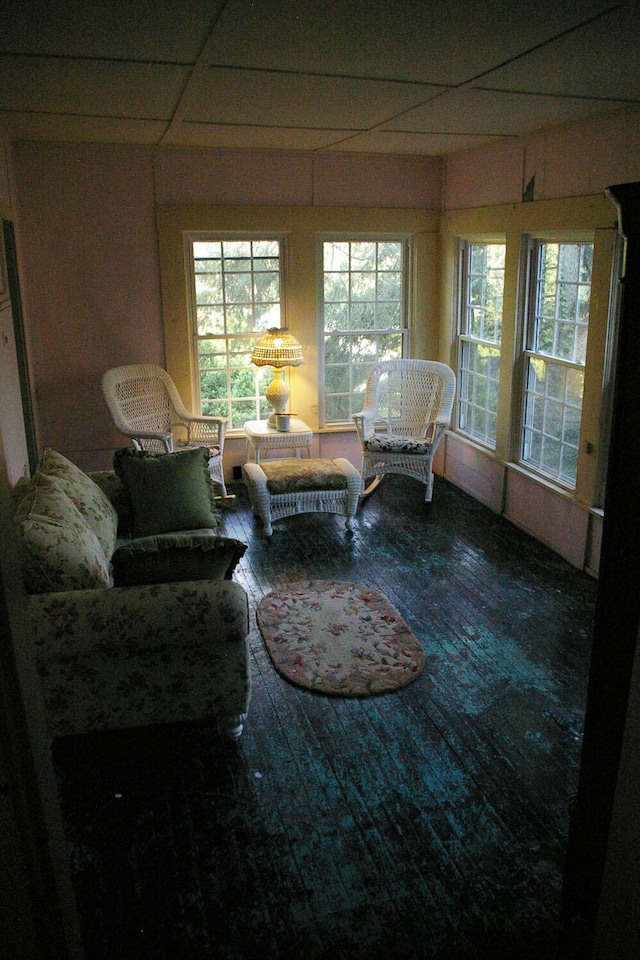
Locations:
36 126
441 41
495 113
159 30
246 137
601 59
280 99
102 88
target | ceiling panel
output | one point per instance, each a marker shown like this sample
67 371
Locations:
470 111
440 41
246 137
389 76
417 144
102 88
159 30
602 59
74 129
294 100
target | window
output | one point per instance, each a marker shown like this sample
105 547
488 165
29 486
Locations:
236 295
364 317
555 357
480 326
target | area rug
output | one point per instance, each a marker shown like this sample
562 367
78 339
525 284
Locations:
338 638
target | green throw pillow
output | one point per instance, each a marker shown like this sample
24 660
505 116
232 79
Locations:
175 556
168 491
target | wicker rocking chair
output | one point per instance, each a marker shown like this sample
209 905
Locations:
407 408
146 407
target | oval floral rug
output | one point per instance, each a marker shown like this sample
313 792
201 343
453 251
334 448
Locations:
338 638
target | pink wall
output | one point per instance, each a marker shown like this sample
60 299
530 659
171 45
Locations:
297 179
89 256
573 161
90 281
88 246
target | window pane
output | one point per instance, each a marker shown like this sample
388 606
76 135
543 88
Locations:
483 295
363 297
236 297
337 408
478 391
337 379
553 406
563 291
336 316
210 320
480 324
553 394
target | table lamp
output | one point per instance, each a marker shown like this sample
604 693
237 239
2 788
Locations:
277 349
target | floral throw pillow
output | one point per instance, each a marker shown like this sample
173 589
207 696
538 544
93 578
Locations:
91 501
59 550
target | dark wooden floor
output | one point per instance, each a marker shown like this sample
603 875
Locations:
428 823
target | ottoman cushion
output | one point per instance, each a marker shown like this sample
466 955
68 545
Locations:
301 476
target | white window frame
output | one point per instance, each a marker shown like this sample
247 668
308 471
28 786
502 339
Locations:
257 406
356 394
470 380
529 424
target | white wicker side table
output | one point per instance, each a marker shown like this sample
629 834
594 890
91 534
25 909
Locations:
261 436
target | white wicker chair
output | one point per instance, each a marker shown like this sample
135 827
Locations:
146 407
407 408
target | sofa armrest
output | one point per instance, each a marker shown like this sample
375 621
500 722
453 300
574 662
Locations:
133 656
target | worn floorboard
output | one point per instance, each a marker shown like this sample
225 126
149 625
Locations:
428 823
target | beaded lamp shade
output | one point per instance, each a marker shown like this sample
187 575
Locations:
277 349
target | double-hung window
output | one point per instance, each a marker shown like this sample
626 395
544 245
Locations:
236 295
554 358
363 310
480 332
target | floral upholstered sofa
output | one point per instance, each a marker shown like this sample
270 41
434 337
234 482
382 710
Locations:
131 606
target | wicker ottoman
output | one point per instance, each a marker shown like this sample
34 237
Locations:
282 488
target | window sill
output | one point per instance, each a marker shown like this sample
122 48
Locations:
337 428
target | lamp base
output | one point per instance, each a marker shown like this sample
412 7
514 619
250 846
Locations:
277 395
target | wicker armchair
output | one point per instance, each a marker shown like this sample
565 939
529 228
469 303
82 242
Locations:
146 407
407 408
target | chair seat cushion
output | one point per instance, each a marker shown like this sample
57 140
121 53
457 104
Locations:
297 476
214 450
382 443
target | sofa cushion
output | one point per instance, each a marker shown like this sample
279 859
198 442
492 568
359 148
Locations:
171 557
117 492
60 551
169 491
94 505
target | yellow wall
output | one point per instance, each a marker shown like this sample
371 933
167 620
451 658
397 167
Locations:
302 226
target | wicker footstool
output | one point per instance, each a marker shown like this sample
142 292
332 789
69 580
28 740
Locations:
282 488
